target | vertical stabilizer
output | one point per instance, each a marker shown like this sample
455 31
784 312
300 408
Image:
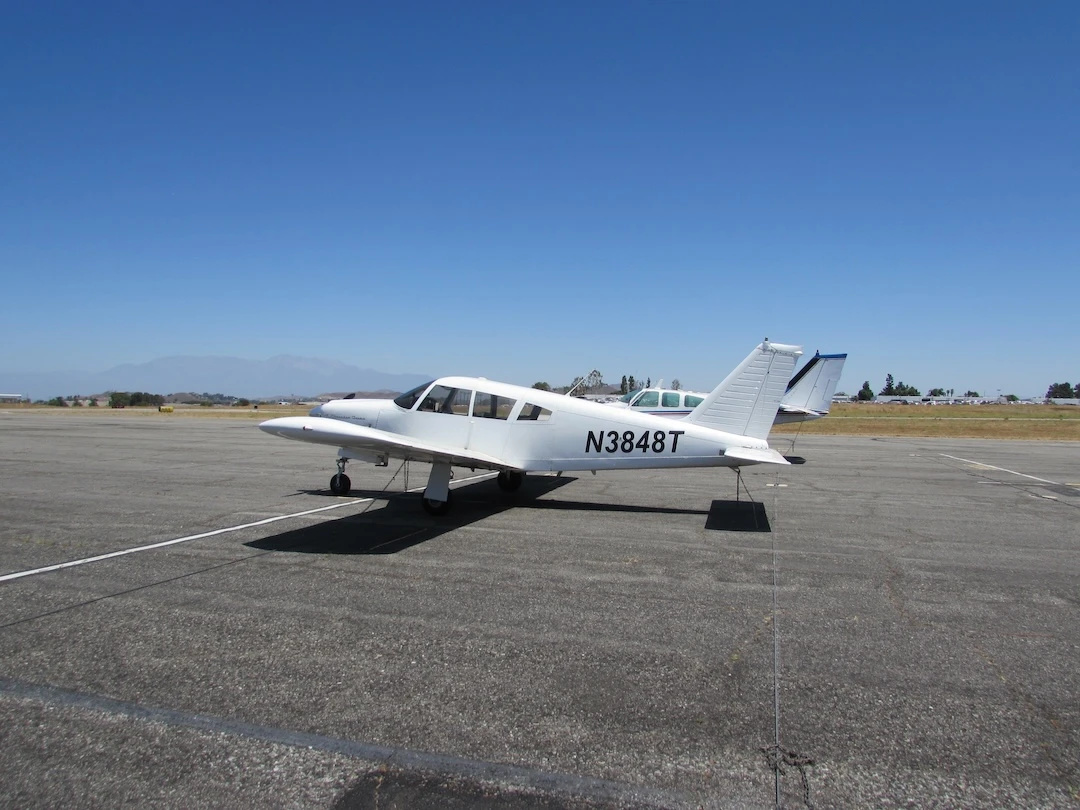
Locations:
813 387
745 403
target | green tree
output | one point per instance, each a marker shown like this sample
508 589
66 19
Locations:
142 399
1012 398
93 403
622 386
902 389
57 402
889 389
972 394
866 393
648 382
631 383
936 392
119 399
675 384
541 386
1060 391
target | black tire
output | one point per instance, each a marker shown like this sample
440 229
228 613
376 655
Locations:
340 484
510 481
436 508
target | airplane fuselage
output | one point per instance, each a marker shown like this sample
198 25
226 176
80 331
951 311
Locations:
482 424
535 430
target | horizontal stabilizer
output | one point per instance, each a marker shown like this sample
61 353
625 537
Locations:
754 456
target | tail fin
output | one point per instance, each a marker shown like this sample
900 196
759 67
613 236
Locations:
745 403
813 387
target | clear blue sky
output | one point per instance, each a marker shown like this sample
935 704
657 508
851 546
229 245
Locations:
526 191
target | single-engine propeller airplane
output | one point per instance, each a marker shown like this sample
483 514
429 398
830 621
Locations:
808 396
481 424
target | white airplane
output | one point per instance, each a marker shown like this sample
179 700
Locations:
481 424
809 394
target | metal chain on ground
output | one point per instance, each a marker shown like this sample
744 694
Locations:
778 758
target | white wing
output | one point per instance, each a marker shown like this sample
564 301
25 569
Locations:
335 432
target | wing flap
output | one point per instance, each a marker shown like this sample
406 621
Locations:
337 433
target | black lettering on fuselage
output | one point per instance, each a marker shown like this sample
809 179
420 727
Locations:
628 441
675 434
594 440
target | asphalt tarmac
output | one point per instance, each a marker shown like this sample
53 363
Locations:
893 623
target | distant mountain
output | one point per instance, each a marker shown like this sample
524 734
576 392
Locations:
281 376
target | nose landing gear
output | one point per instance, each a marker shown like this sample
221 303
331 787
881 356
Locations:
340 483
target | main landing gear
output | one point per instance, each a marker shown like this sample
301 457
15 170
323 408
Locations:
340 483
436 508
509 481
436 499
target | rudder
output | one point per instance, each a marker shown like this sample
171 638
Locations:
813 387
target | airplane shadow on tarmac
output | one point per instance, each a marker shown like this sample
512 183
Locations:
738 516
394 522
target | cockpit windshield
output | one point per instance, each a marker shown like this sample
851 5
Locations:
408 399
628 397
648 399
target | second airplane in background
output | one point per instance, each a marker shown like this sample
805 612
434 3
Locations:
808 395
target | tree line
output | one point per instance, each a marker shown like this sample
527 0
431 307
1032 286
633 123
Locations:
901 389
123 399
1063 390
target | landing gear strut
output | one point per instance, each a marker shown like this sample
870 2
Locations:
509 481
436 498
340 483
436 508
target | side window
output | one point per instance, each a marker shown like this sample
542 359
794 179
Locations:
670 399
459 404
491 406
690 401
650 399
441 399
533 413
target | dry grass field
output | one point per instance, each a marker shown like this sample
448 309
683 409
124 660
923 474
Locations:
217 412
1041 422
1038 422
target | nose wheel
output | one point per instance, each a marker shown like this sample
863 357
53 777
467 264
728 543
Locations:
340 483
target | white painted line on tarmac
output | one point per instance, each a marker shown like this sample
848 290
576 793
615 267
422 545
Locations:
1001 469
110 555
351 502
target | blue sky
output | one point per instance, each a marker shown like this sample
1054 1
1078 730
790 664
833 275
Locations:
526 191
